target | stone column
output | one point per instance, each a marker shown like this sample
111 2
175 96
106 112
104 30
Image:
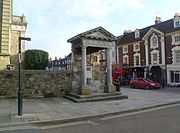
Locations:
117 55
72 56
84 80
162 50
85 90
145 72
146 52
109 65
109 87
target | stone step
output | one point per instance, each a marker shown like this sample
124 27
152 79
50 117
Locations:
94 95
94 98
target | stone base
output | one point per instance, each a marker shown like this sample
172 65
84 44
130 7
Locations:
4 61
85 90
109 88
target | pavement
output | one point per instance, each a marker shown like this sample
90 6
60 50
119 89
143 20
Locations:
60 110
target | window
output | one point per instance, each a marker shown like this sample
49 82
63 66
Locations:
175 76
126 59
103 55
172 76
137 34
177 57
88 69
177 24
95 59
154 41
155 57
125 49
176 39
137 59
136 47
177 20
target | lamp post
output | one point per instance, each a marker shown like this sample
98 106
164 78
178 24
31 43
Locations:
20 91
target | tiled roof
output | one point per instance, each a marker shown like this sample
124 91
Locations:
165 27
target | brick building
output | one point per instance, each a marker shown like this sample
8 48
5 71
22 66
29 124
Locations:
152 52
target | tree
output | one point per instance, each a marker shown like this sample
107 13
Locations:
36 59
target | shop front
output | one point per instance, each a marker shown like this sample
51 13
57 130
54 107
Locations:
173 75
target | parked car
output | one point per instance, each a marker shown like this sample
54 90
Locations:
144 83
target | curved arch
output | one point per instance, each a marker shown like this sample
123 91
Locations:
137 59
154 41
155 57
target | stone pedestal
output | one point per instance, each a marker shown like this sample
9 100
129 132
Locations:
84 90
109 88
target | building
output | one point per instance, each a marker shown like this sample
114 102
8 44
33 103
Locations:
11 27
152 52
58 64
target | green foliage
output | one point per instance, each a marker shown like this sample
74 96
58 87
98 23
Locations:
36 59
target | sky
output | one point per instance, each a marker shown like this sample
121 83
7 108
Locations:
52 22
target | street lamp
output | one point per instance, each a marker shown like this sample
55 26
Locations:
20 91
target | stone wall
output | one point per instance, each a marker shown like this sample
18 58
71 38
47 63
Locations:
35 84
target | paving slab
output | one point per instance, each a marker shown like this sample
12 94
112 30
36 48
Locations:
60 109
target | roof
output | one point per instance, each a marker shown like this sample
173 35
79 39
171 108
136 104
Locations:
104 35
165 27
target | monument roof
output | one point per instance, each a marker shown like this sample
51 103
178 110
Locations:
98 33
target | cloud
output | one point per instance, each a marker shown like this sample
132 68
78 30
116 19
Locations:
99 9
135 4
52 22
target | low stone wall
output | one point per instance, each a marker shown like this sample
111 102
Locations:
35 83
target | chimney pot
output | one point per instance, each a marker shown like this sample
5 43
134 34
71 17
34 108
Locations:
177 14
158 20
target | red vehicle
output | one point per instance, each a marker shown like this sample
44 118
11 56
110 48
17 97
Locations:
144 83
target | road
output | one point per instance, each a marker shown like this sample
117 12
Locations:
161 120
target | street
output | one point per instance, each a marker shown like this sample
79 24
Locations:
162 120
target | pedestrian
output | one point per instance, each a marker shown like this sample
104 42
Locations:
162 84
117 83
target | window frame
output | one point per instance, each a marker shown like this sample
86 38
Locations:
137 34
125 57
154 62
174 50
152 41
174 42
125 51
134 47
177 52
135 59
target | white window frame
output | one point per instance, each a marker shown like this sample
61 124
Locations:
152 60
135 55
134 47
152 42
125 57
176 19
177 48
137 34
173 39
124 50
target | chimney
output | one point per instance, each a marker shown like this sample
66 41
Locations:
177 15
158 20
127 31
